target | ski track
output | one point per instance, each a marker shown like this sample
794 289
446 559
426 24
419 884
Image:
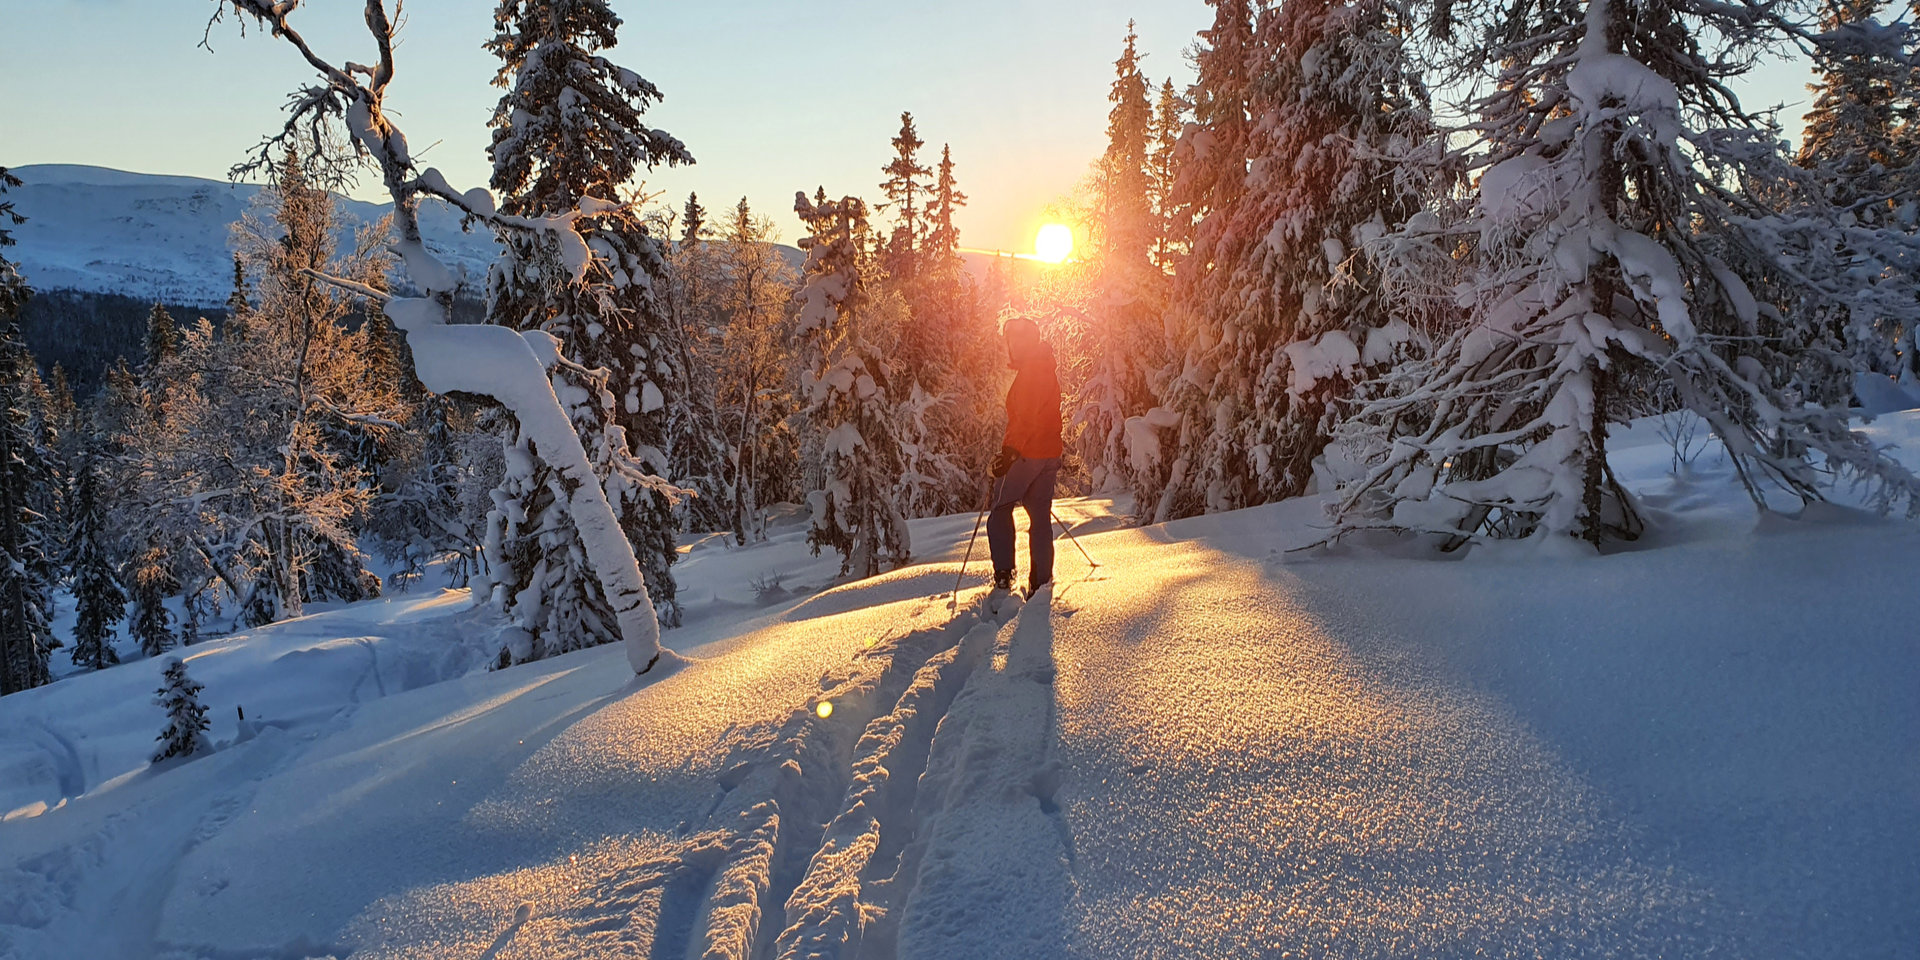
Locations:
819 833
139 850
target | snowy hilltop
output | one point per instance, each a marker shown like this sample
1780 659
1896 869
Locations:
167 238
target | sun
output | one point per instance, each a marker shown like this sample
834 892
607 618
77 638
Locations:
1054 243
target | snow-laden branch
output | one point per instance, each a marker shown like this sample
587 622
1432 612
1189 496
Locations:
487 361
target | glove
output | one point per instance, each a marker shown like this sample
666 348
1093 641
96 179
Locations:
1004 462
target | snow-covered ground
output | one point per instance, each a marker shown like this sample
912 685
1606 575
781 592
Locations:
1206 747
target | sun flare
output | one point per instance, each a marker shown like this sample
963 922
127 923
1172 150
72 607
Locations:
1054 243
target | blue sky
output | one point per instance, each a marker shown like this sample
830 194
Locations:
772 96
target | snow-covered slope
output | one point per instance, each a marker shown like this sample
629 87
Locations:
166 238
1205 747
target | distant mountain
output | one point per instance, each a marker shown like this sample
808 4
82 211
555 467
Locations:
166 238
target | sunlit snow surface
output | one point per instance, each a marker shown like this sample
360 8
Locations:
1207 747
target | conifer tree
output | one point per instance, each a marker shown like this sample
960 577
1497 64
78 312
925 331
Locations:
693 222
905 186
568 133
148 573
1854 146
907 318
26 569
163 337
1212 155
1126 198
239 299
1604 244
186 730
1293 314
1172 236
1125 344
844 381
13 288
1209 169
943 204
950 303
99 601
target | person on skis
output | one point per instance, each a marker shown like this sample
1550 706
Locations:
1029 459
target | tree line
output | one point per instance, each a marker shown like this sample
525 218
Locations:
1417 257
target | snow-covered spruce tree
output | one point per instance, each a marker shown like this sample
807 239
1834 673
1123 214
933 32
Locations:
909 284
50 418
1128 335
99 601
26 569
844 383
1616 229
1854 148
567 135
485 361
1290 313
1210 161
753 370
186 730
1172 234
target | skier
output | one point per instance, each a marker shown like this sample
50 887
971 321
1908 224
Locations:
1029 459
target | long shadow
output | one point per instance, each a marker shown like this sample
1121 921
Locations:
989 868
415 844
1767 751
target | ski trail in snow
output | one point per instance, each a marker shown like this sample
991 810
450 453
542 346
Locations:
112 888
851 872
69 773
761 875
989 872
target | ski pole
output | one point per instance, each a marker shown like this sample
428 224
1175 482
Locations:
1070 536
986 499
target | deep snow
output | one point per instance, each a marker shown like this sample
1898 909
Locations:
1208 746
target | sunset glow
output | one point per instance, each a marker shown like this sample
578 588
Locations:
1054 243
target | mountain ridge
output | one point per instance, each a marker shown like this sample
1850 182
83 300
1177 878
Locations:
165 237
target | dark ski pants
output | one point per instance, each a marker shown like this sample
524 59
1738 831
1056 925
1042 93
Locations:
1029 484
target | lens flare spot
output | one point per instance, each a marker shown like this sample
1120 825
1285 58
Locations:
824 709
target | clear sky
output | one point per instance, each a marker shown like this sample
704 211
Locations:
772 96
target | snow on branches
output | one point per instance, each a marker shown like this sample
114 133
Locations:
1614 253
844 384
485 361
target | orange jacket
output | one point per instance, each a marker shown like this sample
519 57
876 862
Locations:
1033 405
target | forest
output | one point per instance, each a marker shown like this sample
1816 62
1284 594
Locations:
1419 256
